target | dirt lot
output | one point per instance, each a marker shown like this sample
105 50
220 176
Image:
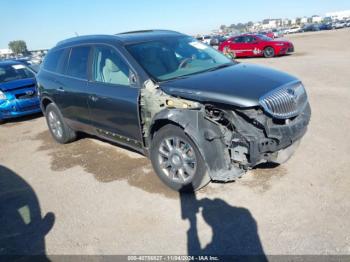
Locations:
107 200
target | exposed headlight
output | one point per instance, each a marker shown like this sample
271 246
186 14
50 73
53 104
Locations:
2 96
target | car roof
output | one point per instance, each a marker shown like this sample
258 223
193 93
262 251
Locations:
9 62
124 38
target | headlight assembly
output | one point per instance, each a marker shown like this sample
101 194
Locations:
2 96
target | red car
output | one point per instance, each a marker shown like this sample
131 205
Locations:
268 34
250 45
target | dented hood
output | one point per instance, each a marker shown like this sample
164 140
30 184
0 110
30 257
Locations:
238 85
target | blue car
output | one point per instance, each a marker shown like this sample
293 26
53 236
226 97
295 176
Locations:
18 90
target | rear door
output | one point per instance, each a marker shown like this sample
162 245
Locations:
237 45
71 86
113 98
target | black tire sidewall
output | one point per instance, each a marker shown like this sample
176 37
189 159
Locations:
200 178
271 49
67 133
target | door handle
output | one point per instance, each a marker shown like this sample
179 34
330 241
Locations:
93 98
60 89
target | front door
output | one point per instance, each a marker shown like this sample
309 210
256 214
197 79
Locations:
113 100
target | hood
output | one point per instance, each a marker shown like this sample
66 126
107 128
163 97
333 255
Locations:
239 85
16 84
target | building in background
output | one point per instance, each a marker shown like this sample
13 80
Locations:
5 53
340 15
271 23
316 19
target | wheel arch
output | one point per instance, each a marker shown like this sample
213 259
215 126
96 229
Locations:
275 51
206 135
44 102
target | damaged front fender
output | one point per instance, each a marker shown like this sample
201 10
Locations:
159 108
208 137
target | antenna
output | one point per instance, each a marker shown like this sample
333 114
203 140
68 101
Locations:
76 34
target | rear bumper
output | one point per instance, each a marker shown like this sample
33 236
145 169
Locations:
19 107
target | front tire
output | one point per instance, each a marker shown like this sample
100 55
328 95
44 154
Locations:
59 130
269 52
177 160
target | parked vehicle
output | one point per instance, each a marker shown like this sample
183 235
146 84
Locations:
325 27
293 30
339 24
205 39
18 93
250 45
268 34
198 115
217 40
311 28
278 33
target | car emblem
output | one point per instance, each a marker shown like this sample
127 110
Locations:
29 92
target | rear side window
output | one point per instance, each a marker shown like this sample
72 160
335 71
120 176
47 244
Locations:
54 61
78 62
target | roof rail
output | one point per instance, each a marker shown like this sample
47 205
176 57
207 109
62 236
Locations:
136 32
147 31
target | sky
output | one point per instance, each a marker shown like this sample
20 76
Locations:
42 23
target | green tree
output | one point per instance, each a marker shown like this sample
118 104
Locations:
223 28
18 47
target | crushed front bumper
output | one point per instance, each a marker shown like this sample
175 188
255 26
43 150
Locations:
265 140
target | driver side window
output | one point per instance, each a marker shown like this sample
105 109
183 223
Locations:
109 67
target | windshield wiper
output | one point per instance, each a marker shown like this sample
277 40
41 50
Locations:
199 72
219 67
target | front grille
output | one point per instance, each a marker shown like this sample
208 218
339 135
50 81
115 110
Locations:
285 102
27 95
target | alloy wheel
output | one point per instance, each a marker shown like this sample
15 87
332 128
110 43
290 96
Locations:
177 159
55 124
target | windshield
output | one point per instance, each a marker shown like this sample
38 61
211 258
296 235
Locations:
11 72
171 58
264 38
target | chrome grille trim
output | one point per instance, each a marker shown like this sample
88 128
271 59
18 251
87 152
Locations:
285 102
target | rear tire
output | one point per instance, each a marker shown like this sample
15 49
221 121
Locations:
177 160
59 130
269 52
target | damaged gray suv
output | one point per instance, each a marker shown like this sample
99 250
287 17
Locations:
196 114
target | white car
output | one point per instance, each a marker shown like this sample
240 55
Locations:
339 25
293 30
205 39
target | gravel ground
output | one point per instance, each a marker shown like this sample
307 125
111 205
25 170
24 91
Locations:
96 198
